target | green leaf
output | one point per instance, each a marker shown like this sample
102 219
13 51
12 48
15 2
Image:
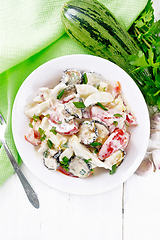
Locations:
30 124
35 118
115 123
117 115
65 163
49 143
158 103
79 104
94 144
60 94
85 79
114 167
53 130
87 160
42 134
157 82
139 23
41 131
99 104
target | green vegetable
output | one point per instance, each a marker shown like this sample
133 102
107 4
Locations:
49 143
87 160
65 163
53 130
99 104
60 94
42 134
94 144
145 30
117 115
85 79
115 123
114 167
35 118
30 125
79 104
95 28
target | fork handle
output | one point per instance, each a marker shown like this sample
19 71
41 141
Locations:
27 187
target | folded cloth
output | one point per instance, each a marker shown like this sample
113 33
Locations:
32 33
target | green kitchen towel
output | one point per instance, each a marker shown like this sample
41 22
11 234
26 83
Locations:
31 33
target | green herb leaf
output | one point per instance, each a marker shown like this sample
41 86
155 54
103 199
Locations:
114 167
117 115
42 134
35 118
49 143
60 94
115 123
87 160
65 163
85 79
31 125
79 104
95 144
145 31
53 130
99 104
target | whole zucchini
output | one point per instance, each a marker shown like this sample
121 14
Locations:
95 28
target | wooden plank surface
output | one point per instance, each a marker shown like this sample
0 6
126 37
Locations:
60 216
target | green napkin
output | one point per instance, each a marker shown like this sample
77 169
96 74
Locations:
31 34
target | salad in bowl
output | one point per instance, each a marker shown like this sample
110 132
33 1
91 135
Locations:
81 124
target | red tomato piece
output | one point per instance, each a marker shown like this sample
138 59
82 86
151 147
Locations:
54 114
113 118
117 140
131 120
33 136
65 129
117 89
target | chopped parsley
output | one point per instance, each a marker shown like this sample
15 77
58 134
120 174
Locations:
117 115
49 143
42 134
87 160
115 123
85 79
65 163
95 144
35 118
53 130
145 31
79 104
31 125
99 104
114 167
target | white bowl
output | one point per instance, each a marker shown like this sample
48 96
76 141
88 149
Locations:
49 75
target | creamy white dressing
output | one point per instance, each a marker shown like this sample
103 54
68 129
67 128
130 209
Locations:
60 129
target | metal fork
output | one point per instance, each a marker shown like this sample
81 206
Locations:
27 187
